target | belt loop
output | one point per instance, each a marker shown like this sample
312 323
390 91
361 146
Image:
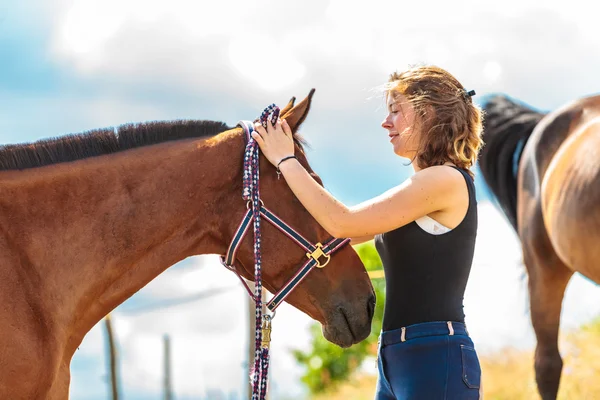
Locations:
403 336
450 328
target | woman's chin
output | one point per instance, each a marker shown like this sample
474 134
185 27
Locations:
400 152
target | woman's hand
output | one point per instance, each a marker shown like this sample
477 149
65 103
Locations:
276 142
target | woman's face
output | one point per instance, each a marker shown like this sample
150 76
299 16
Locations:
400 124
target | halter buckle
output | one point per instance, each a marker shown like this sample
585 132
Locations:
317 254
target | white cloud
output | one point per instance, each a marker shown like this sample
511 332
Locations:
492 71
251 50
272 73
87 26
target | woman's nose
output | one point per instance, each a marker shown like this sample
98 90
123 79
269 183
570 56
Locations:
386 123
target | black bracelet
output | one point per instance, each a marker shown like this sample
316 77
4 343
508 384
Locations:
280 161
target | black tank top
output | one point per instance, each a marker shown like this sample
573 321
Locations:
426 275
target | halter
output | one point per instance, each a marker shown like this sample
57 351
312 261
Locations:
318 254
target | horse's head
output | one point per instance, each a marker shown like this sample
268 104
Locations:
340 295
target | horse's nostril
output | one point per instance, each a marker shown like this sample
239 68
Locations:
371 305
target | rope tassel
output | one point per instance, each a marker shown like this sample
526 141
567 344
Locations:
251 192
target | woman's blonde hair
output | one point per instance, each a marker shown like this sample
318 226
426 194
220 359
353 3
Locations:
451 124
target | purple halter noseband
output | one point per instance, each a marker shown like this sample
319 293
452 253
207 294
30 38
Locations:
318 254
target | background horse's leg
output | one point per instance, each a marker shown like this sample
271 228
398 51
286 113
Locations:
548 279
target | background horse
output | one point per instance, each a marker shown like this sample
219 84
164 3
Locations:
545 172
88 220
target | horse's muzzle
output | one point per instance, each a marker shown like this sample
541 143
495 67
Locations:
350 323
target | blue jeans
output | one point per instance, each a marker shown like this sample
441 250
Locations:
428 361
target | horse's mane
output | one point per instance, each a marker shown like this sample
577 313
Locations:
506 129
102 141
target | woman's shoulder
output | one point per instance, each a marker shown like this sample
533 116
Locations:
448 174
445 180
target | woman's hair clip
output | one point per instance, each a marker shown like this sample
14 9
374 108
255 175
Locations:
470 93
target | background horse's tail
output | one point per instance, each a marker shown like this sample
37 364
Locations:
506 129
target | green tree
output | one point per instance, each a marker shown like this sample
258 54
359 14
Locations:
327 364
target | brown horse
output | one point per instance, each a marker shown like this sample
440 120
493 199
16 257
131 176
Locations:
545 171
88 220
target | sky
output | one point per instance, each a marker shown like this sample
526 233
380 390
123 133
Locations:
69 66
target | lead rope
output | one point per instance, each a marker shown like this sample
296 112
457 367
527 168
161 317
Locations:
251 193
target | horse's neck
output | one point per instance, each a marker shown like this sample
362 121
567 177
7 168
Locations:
102 228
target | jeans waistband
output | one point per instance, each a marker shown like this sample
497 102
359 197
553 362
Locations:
437 328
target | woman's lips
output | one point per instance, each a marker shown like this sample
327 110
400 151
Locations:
392 135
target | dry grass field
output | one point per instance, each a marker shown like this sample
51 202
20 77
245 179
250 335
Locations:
508 374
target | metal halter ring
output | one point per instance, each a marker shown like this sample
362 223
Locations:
249 203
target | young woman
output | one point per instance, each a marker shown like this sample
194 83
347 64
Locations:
424 231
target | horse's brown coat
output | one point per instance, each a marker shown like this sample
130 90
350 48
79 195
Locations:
558 219
78 238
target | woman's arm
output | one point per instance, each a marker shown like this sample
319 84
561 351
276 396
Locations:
431 189
358 240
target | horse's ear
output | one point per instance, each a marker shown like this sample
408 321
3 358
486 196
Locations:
288 107
297 114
